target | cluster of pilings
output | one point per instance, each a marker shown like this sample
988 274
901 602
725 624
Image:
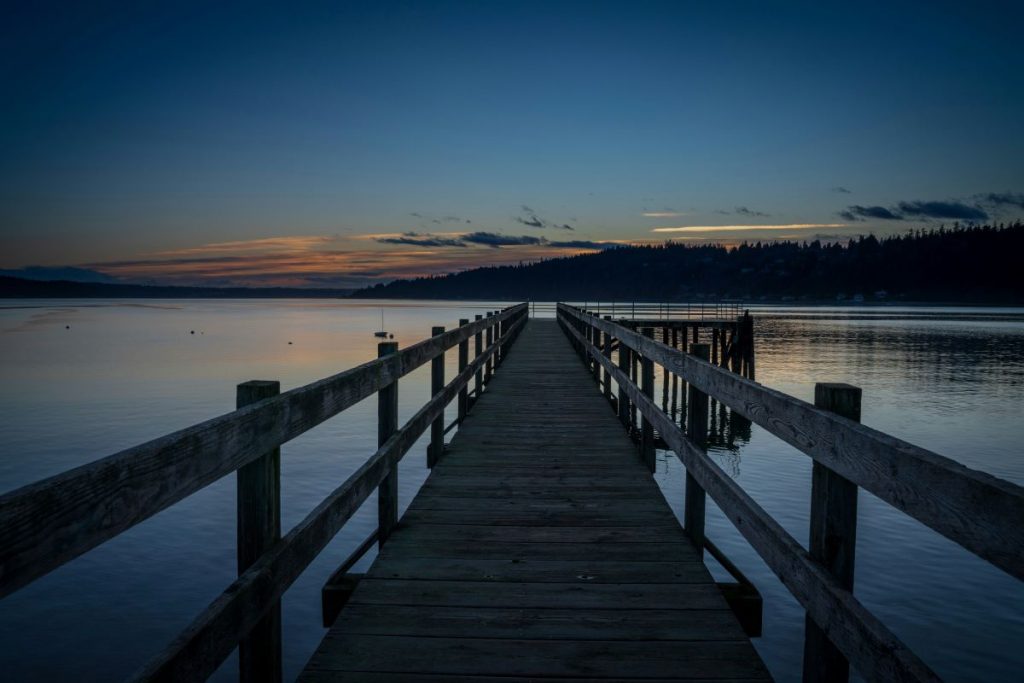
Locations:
727 343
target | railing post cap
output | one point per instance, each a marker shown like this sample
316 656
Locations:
436 330
265 384
385 348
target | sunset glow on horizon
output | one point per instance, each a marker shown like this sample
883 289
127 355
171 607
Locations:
365 141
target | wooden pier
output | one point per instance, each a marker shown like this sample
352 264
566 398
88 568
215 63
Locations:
539 546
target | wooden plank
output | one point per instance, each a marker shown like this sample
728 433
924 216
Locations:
310 676
641 552
587 659
977 510
547 623
488 533
588 570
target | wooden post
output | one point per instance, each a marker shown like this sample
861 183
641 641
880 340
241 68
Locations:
697 430
675 377
259 528
714 346
596 334
436 449
463 364
646 427
833 536
664 374
607 351
624 364
490 340
387 424
478 347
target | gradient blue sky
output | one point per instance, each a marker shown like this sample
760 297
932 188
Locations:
301 144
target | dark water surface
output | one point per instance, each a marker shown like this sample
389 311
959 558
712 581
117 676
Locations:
951 380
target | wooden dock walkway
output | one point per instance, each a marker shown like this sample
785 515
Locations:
539 547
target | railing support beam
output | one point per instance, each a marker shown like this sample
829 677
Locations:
697 429
259 528
647 387
833 536
387 424
463 364
436 449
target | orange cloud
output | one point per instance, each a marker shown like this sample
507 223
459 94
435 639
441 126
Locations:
739 228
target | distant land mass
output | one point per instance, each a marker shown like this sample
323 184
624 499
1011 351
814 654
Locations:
23 288
978 264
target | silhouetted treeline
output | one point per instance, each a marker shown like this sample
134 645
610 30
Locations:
980 264
20 288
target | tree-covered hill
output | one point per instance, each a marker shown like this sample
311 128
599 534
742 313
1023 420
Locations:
976 264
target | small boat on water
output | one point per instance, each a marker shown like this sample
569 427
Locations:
382 334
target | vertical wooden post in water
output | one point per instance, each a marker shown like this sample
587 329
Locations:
490 340
463 364
697 430
436 449
833 536
624 363
478 347
647 387
607 351
664 373
259 527
387 424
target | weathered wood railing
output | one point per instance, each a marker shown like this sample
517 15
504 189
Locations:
674 310
53 521
982 513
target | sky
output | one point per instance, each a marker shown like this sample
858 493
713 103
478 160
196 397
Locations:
340 144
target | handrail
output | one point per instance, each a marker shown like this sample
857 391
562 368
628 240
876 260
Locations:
726 309
834 442
197 652
53 521
977 510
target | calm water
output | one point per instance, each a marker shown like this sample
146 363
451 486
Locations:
951 380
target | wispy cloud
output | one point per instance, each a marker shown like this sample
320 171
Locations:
290 243
663 213
1000 199
419 240
949 209
530 219
744 211
840 189
743 228
859 213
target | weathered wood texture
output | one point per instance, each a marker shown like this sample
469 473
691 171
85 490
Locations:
865 642
539 547
977 510
55 520
197 652
259 527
